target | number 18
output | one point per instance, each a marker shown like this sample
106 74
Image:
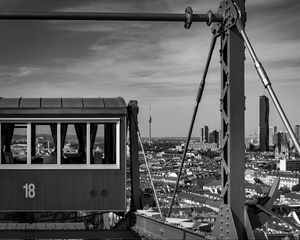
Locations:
29 190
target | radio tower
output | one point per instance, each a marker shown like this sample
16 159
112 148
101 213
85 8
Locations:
150 121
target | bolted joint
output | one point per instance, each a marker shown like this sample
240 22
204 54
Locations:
210 18
230 15
262 74
188 17
133 107
221 105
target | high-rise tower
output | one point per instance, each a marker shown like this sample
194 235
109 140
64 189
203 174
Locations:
263 123
204 134
297 132
272 131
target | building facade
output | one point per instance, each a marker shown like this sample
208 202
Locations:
297 132
290 165
281 145
204 134
214 137
272 131
263 123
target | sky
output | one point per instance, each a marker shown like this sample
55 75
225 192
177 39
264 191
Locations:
158 64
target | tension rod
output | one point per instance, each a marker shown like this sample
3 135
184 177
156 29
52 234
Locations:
198 99
148 169
267 84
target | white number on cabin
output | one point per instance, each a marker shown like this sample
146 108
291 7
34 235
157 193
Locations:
29 190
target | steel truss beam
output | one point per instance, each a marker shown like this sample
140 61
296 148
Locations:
133 110
154 229
232 55
68 234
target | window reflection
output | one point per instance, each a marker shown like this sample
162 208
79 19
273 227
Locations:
43 143
13 143
73 139
103 143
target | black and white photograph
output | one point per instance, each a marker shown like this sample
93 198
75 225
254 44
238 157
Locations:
138 119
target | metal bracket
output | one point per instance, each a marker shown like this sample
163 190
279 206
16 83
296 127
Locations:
230 15
188 17
210 17
224 227
261 211
225 189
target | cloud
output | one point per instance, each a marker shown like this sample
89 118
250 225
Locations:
157 63
17 72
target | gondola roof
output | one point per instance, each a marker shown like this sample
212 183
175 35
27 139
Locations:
61 107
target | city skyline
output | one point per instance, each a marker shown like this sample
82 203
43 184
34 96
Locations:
158 64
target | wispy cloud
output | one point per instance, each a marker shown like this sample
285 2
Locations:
7 73
157 63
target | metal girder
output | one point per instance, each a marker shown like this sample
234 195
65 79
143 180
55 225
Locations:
224 227
270 213
133 110
232 55
258 217
68 234
154 229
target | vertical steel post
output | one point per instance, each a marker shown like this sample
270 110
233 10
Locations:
232 128
133 110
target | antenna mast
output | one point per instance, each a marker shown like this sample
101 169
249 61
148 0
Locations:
150 122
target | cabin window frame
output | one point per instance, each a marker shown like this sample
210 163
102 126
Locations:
29 121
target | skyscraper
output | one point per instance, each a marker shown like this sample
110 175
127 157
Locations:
263 123
214 137
204 134
272 131
281 145
297 132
